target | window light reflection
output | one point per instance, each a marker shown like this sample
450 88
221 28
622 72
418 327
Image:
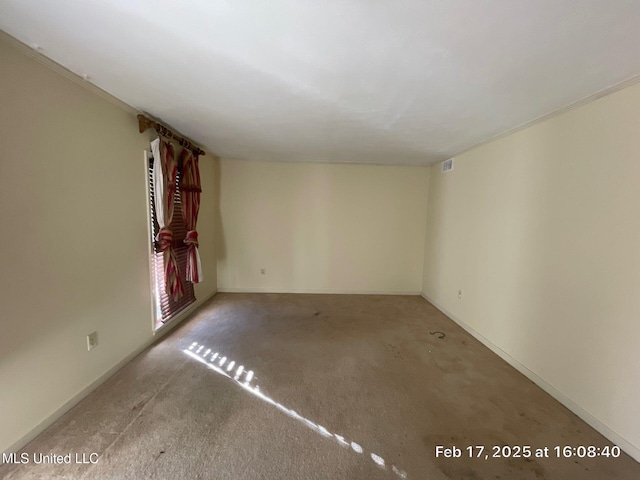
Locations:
245 383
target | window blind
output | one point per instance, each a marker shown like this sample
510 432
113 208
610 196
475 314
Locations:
165 305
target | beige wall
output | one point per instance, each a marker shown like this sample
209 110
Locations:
75 241
321 227
541 231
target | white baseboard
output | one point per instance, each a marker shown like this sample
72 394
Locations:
73 401
315 291
610 434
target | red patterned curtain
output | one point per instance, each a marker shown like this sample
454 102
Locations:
166 170
190 195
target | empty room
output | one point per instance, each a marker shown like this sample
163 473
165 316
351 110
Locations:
320 240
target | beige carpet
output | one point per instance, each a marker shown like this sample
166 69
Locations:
331 387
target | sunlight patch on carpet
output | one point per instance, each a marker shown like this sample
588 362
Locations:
244 379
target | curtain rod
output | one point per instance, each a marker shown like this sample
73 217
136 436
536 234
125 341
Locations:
144 123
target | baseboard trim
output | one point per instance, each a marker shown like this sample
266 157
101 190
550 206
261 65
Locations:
609 433
73 401
316 291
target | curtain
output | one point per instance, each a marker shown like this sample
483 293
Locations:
165 171
190 195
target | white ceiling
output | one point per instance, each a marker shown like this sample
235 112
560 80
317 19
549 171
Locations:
409 81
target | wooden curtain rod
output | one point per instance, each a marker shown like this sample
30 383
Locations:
144 123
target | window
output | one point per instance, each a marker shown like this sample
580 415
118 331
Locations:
166 307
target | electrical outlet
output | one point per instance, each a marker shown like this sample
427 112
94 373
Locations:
263 271
459 293
92 340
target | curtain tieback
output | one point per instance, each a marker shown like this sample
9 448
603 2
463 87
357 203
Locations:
165 238
191 238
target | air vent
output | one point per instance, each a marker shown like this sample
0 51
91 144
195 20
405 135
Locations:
447 166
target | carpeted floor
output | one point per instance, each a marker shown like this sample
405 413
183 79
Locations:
331 387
